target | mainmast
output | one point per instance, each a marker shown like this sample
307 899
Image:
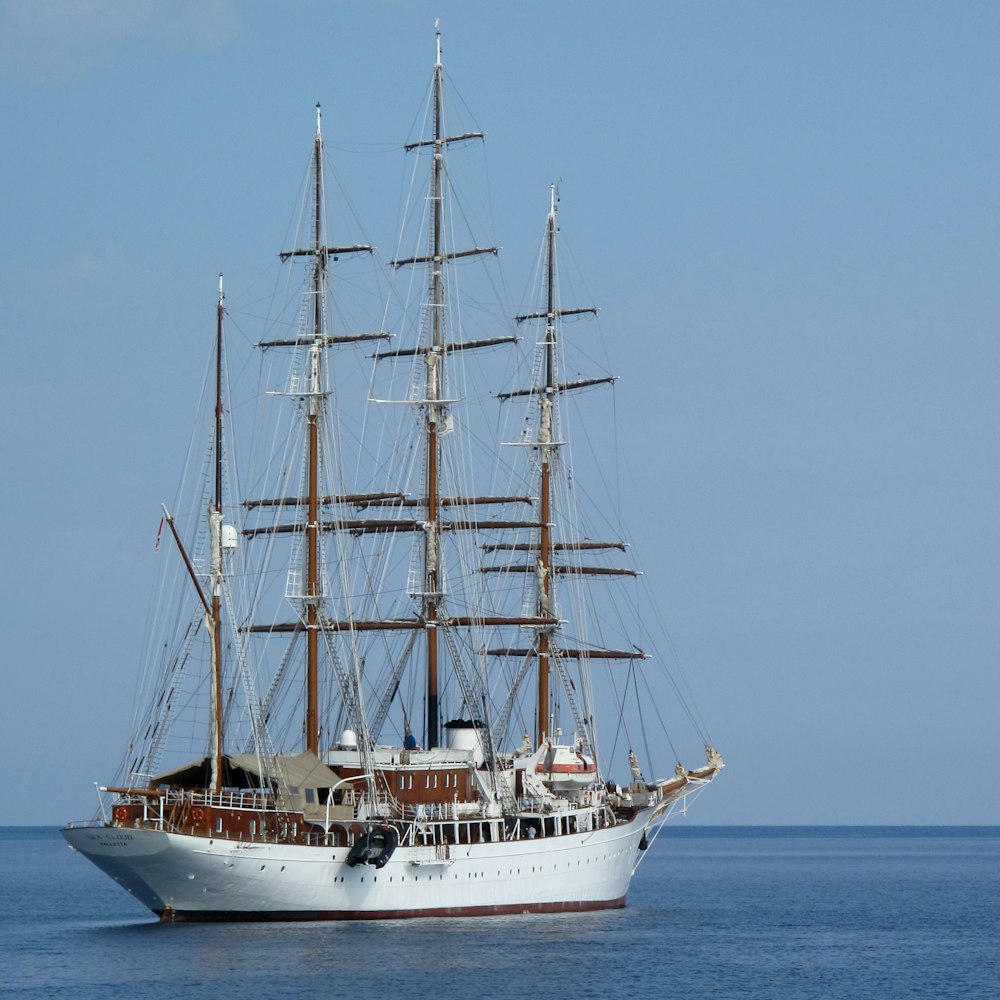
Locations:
435 350
434 371
434 375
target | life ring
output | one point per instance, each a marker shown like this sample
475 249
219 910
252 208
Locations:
121 813
197 815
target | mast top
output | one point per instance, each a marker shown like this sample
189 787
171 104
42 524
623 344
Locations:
319 121
222 294
437 35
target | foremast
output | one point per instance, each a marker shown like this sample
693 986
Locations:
547 449
546 652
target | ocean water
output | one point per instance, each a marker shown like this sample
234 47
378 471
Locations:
756 912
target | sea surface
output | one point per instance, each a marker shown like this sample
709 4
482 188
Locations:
762 912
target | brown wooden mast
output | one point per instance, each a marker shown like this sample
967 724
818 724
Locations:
544 567
545 444
312 596
434 356
316 340
434 372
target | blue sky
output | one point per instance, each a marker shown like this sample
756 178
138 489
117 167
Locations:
790 216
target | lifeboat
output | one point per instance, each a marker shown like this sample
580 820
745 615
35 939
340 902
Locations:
373 847
564 768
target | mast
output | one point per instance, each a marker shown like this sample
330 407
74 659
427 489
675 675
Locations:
315 406
434 354
215 534
306 578
545 445
433 360
545 568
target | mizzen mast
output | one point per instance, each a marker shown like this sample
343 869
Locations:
315 340
545 445
315 408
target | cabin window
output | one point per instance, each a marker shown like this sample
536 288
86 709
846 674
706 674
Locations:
253 827
402 781
310 796
410 781
218 824
427 781
435 781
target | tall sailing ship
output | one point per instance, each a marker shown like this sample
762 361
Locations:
401 674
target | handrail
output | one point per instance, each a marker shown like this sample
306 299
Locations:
343 781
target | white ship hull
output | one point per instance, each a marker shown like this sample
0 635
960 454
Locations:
190 878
